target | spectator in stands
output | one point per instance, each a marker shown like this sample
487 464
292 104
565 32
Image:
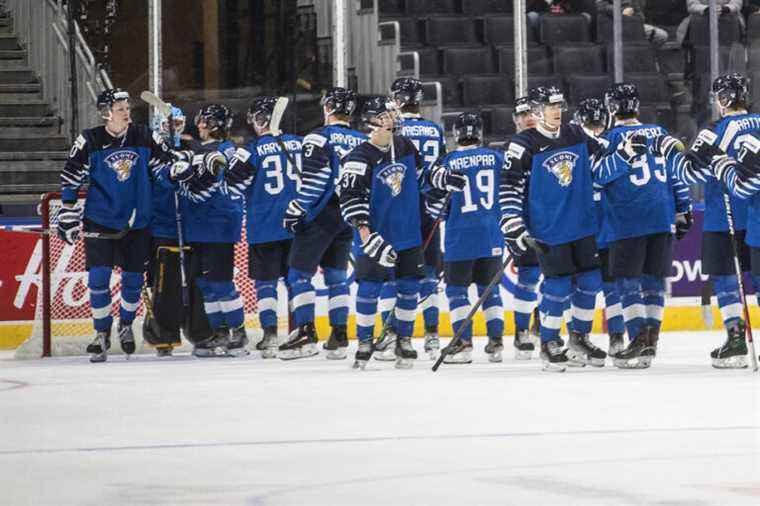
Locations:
669 13
702 7
536 8
752 6
635 8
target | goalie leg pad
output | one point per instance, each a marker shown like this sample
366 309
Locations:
98 281
302 296
366 308
338 297
131 284
266 300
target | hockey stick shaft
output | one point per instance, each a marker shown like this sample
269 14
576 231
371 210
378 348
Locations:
87 234
740 279
181 243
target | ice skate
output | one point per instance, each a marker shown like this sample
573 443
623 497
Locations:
384 348
238 342
523 345
98 348
268 344
458 352
164 351
301 343
494 348
337 343
126 338
363 353
586 351
214 346
432 343
553 356
733 353
405 353
617 343
638 354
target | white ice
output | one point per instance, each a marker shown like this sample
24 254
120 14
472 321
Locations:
254 432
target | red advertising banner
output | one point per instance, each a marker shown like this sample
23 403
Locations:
20 262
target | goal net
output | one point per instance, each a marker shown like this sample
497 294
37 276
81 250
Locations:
63 322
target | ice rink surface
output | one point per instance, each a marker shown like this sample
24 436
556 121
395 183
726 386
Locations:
253 432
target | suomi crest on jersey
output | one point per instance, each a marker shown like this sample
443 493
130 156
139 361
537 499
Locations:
561 165
121 162
393 177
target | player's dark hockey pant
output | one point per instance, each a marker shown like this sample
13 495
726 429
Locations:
316 246
559 265
267 263
165 313
370 278
718 263
130 252
459 276
212 266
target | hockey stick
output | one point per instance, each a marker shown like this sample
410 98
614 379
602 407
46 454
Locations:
707 317
111 236
740 279
151 99
274 129
486 293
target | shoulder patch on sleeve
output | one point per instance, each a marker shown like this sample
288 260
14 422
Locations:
355 167
242 154
707 136
316 139
515 150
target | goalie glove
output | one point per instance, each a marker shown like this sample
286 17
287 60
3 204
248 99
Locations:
515 236
448 180
69 224
294 215
684 222
634 146
666 145
380 251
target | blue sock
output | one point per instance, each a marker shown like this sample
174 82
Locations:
131 284
633 305
525 297
338 298
493 310
230 302
266 302
302 295
98 281
653 293
614 309
406 306
366 309
429 298
556 296
387 301
587 285
210 303
459 306
727 292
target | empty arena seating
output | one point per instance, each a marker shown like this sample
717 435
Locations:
564 28
483 90
483 7
448 31
468 60
578 59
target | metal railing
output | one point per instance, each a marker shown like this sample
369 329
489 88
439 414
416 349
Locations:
42 27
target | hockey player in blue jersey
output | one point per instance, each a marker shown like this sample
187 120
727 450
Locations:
321 237
550 198
528 271
116 160
427 137
694 167
213 221
474 243
380 197
641 199
266 176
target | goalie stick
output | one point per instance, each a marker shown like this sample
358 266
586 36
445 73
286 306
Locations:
274 129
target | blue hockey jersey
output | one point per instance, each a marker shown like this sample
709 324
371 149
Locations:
383 193
263 174
472 222
118 171
218 217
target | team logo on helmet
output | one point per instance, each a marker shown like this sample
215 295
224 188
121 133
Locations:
393 176
561 165
121 162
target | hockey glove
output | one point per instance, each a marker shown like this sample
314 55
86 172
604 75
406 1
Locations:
704 148
684 221
633 147
515 236
182 156
380 251
69 224
181 172
665 146
749 156
214 162
294 215
449 180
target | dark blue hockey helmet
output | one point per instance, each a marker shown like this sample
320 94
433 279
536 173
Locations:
521 106
407 91
260 111
622 99
468 127
542 96
108 97
217 118
339 100
376 106
731 90
591 111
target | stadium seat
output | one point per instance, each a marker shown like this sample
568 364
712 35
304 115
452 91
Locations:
548 80
391 8
539 62
500 30
753 30
754 58
482 90
754 89
449 31
587 86
498 122
637 58
633 29
578 59
729 30
425 7
468 60
652 89
411 35
481 7
648 114
450 87
564 28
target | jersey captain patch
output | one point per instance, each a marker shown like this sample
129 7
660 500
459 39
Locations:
392 176
121 162
561 165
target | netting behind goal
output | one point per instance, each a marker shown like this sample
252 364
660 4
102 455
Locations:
63 321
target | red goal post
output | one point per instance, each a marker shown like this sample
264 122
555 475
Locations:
63 321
